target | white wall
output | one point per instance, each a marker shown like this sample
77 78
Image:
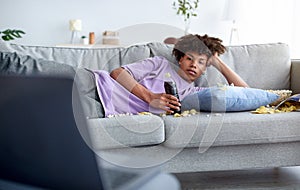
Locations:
46 22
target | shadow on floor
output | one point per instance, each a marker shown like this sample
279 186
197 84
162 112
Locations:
259 179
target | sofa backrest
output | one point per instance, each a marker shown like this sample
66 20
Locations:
265 66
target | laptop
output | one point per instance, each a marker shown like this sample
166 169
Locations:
44 139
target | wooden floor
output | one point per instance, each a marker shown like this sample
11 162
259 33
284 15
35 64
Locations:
287 178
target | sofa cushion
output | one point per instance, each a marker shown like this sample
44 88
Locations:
134 53
126 131
160 49
91 103
263 66
91 58
234 128
228 98
96 58
15 64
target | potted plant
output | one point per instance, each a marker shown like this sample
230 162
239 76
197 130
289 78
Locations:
187 9
9 34
85 40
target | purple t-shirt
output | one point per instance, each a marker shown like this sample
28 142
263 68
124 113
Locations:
150 73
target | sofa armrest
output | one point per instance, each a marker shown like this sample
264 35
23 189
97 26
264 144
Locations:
295 76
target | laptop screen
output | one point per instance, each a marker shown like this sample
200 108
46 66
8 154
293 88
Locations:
40 141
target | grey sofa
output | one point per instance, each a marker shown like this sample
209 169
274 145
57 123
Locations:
202 142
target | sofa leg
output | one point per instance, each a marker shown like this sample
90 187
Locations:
276 171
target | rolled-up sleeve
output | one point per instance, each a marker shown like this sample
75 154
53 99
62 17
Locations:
139 70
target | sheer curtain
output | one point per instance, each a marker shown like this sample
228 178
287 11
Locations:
295 42
287 23
268 21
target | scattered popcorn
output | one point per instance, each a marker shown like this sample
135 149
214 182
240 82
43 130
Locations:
285 103
186 113
193 111
290 106
265 110
168 75
163 114
144 113
177 115
286 107
117 115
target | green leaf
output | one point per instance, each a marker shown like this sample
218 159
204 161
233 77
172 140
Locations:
15 34
5 38
20 32
186 8
9 34
10 37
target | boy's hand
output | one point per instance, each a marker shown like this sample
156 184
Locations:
165 102
213 60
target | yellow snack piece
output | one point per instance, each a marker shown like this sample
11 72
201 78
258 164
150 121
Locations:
177 115
144 113
286 107
186 113
264 110
193 111
168 75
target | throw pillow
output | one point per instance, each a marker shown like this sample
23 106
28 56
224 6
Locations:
91 102
15 64
228 98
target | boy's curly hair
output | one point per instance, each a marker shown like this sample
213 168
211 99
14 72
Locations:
196 43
